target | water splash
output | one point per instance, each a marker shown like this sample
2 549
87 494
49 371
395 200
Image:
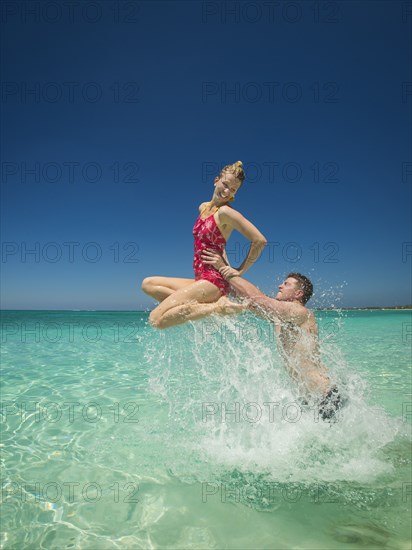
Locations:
235 406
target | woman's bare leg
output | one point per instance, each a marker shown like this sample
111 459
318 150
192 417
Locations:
160 288
193 311
202 292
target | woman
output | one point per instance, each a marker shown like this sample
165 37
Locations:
188 299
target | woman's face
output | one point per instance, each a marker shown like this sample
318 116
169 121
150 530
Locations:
226 186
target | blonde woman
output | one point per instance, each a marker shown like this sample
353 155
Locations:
188 299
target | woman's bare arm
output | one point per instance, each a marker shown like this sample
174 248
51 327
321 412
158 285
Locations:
235 220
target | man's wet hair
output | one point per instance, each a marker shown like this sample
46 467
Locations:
304 284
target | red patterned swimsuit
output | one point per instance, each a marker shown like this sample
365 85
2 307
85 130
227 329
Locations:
208 235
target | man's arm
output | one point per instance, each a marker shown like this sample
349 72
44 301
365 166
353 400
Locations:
269 307
257 301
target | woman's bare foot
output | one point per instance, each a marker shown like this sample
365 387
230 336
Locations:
227 307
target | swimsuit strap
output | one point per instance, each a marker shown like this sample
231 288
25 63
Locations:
203 209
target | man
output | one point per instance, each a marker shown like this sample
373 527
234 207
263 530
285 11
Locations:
296 329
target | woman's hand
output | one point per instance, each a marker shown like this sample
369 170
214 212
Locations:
210 257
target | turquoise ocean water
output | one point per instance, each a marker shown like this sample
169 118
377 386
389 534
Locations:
115 435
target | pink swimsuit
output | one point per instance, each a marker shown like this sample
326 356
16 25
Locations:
208 235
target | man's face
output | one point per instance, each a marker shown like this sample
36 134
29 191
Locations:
289 290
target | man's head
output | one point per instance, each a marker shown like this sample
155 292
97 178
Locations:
295 287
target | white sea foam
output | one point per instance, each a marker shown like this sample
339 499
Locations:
237 407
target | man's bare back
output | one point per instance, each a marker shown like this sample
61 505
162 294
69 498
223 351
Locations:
299 347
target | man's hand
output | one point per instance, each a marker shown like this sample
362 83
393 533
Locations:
210 257
228 272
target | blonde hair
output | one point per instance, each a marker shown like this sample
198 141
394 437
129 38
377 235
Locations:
236 169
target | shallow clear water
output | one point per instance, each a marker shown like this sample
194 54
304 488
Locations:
115 435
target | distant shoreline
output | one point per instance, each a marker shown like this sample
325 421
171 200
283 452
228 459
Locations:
401 308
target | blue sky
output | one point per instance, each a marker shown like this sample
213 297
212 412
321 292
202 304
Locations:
117 116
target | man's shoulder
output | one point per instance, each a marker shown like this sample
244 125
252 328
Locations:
308 311
294 306
298 313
